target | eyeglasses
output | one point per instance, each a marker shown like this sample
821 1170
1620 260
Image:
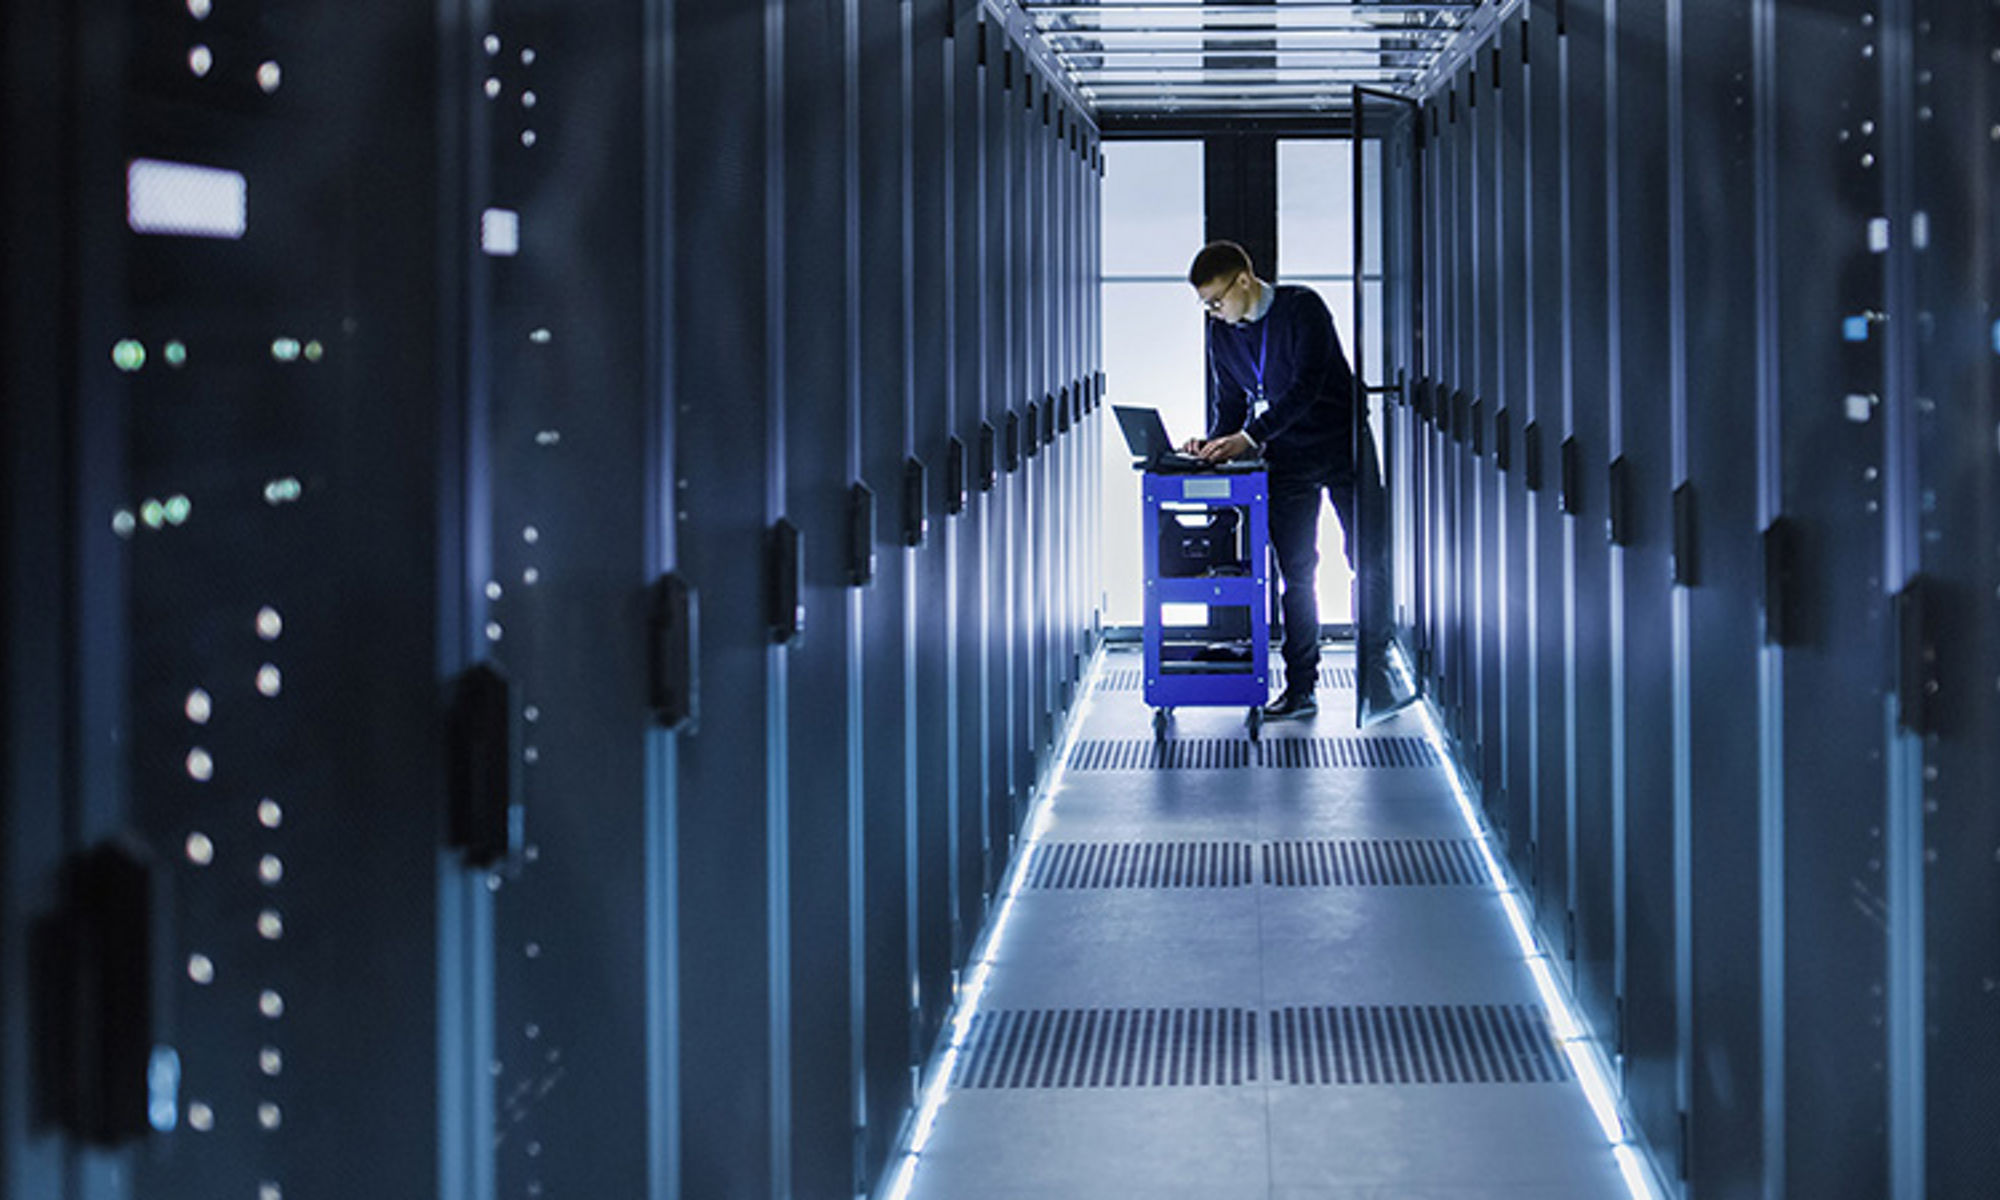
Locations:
1214 303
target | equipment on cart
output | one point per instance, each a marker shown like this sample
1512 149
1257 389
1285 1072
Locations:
1207 540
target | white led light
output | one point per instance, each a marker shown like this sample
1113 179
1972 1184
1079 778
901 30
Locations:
200 765
492 44
270 925
201 1117
199 707
269 815
269 624
269 1191
200 850
531 535
493 631
972 989
123 523
271 1061
269 76
1564 1024
199 9
531 576
270 869
527 137
492 89
493 591
270 681
500 232
184 199
271 1004
201 969
527 58
269 1116
201 60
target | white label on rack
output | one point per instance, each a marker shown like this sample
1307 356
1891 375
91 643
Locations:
1205 489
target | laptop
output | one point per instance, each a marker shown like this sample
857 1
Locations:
1146 436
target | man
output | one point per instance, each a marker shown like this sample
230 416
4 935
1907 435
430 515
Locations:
1278 385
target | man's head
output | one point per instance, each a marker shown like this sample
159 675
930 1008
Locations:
1224 282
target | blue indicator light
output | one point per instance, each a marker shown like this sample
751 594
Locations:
163 1087
1996 337
1854 329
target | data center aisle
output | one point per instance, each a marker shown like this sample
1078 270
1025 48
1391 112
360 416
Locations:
1250 972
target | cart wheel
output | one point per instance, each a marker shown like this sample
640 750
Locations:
1160 724
1256 720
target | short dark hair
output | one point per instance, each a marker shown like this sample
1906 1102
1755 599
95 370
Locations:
1216 260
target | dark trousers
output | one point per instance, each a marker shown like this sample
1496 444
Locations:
1294 513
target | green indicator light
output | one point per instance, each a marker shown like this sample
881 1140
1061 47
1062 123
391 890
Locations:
315 351
177 509
176 353
282 491
285 349
129 355
153 513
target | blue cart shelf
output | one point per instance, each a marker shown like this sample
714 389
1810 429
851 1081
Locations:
1206 540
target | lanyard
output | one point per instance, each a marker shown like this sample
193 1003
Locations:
1263 344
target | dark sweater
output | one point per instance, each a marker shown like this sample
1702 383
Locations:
1308 386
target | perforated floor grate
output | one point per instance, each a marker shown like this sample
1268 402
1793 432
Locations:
1141 865
1221 754
1372 863
1133 679
1178 754
1108 1047
1404 1044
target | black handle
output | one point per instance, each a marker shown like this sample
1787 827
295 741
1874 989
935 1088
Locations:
860 535
672 650
954 477
916 521
1780 555
485 789
1420 400
1916 659
1049 420
1503 440
1477 415
1531 452
1010 449
784 611
989 473
1684 541
95 963
1459 415
1618 508
1031 438
1062 410
1097 393
1568 499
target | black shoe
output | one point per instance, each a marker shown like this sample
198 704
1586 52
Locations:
1291 705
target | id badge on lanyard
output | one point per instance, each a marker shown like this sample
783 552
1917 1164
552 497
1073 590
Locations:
1258 402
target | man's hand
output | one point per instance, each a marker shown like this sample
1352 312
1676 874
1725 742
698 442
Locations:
1223 449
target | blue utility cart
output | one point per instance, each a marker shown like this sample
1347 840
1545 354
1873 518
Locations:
1207 538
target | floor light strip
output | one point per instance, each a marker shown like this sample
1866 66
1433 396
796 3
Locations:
973 988
1569 1029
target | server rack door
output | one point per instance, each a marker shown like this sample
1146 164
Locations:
1490 699
888 871
736 547
245 367
969 414
1956 104
1547 424
1725 1064
1594 846
1831 456
1453 641
1645 656
36 478
1024 679
1516 299
822 722
999 451
555 570
933 614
